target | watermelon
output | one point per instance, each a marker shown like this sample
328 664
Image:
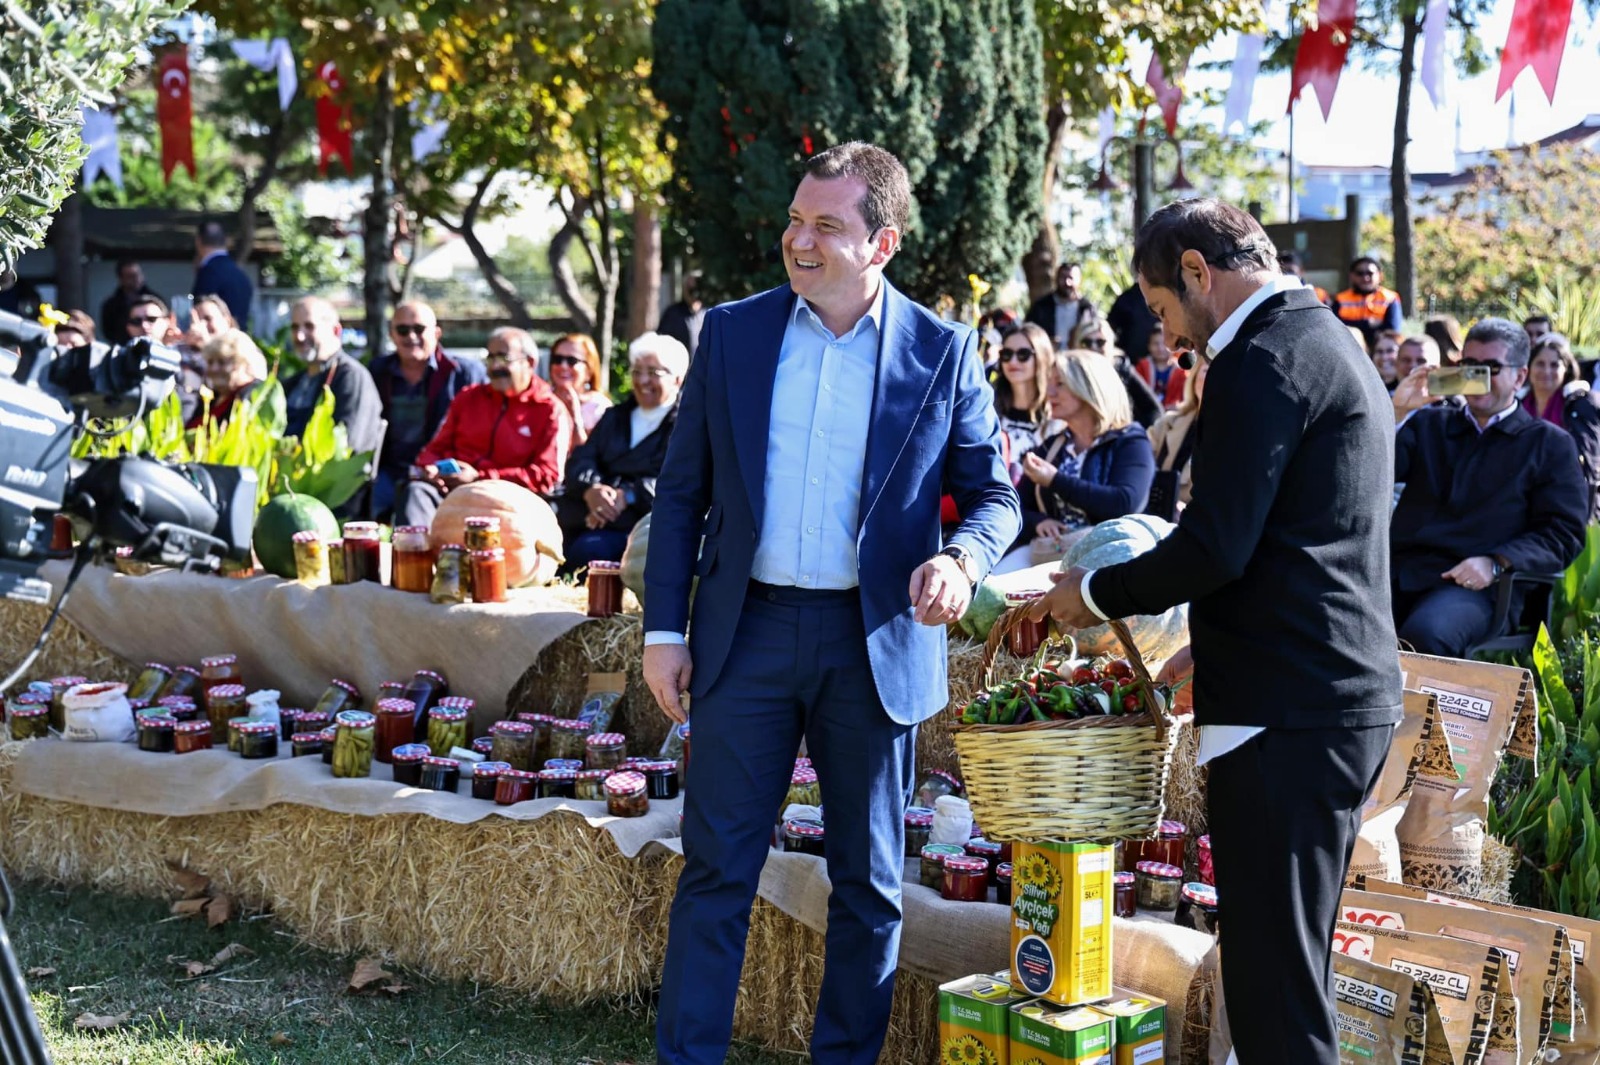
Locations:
280 519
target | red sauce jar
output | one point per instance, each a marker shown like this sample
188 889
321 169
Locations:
1125 894
489 575
363 552
190 736
987 850
514 786
1002 883
486 779
604 584
1203 850
966 879
396 727
1027 636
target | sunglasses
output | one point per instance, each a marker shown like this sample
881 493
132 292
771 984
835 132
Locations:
1016 354
1494 368
565 360
150 320
409 330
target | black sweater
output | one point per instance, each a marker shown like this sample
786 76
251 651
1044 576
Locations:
1516 491
609 457
1283 553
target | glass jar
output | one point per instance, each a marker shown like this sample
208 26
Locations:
1202 848
514 786
407 760
966 879
481 533
181 707
412 564
626 795
661 779
219 669
1002 883
683 734
486 779
190 736
605 750
353 741
147 685
340 695
1159 885
604 584
310 559
441 774
565 765
931 870
390 689
396 726
988 851
450 575
156 733
1166 848
311 721
558 784
591 785
329 735
258 739
801 835
185 680
569 738
363 552
425 689
803 789
484 745
302 744
59 686
919 820
1125 895
336 570
1197 908
224 703
32 722
511 742
235 739
447 729
288 722
1027 637
934 785
489 575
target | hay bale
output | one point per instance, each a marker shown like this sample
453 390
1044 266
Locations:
69 651
1499 866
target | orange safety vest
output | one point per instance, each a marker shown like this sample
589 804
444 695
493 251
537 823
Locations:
1367 309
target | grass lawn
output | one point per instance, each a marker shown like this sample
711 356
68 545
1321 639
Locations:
282 1002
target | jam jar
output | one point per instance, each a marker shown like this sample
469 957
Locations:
329 735
156 734
185 680
147 685
604 584
288 722
568 738
396 727
803 835
1002 883
661 779
483 745
558 784
181 707
258 739
363 552
412 566
934 785
1197 908
224 703
919 822
219 669
625 795
564 765
512 742
311 721
59 686
340 695
189 736
931 871
302 744
451 574
1203 850
514 786
1125 895
966 879
1028 636
1166 848
407 761
987 850
486 779
447 729
352 743
605 750
1159 886
32 722
481 533
424 689
590 785
488 575
310 559
441 774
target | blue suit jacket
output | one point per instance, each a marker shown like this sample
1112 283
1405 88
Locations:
933 429
225 278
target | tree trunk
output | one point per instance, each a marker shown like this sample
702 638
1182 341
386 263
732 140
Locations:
271 154
1405 267
1039 264
566 282
644 296
66 234
375 244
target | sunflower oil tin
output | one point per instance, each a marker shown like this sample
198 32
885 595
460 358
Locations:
1138 1028
1061 908
974 1019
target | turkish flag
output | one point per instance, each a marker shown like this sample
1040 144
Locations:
1322 52
174 113
1537 39
333 121
1168 95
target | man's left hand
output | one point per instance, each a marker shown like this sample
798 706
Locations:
940 592
464 475
1065 602
1476 573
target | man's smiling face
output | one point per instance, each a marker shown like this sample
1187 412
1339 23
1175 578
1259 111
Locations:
827 248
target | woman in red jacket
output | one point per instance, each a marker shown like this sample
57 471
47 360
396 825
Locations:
511 429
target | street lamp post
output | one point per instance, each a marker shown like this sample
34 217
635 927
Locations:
1142 149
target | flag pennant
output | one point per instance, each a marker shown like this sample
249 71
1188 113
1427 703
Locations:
430 134
1323 49
272 55
1538 39
1168 95
174 112
1434 25
100 136
333 121
1242 85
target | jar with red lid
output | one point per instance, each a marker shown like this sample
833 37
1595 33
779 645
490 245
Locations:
407 761
303 744
412 566
334 554
489 575
425 689
390 689
1028 636
919 822
1203 851
59 686
181 707
288 722
1166 848
966 879
441 774
566 765
569 738
626 795
1159 886
1002 883
512 742
1197 908
156 733
258 739
558 784
931 868
32 722
605 750
447 730
988 850
483 745
395 727
311 721
481 533
185 680
1125 895
590 785
224 703
804 788
363 552
219 669
486 779
803 835
353 741
604 584
661 779
541 734
147 685
329 735
514 786
340 695
934 785
190 736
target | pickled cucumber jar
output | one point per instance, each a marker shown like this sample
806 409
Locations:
591 785
147 685
447 729
569 738
311 559
30 721
58 691
354 736
482 533
235 737
605 750
340 695
512 743
224 703
803 788
303 744
450 575
258 739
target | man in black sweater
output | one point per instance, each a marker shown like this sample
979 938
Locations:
1488 488
1283 556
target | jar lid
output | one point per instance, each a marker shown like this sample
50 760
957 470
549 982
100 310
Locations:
1204 842
1003 871
306 536
919 817
518 774
573 764
219 660
1173 830
606 739
258 728
594 774
483 745
414 529
448 763
409 752
360 528
67 682
481 521
456 702
570 724
313 720
966 865
430 674
397 706
330 734
354 719
154 721
158 665
306 737
938 852
534 719
175 700
804 827
802 760
345 686
660 767
1160 869
454 547
193 672
228 691
1204 894
636 761
803 775
139 704
513 728
622 783
191 727
1122 879
955 782
1023 597
604 566
488 554
558 774
489 769
441 713
36 697
983 847
30 710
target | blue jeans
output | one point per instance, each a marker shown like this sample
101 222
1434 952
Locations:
594 545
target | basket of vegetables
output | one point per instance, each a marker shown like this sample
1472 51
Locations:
1067 751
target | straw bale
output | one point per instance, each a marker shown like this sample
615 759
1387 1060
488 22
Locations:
1499 866
69 651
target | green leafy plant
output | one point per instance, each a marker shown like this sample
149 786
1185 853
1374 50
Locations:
320 463
1572 304
1577 597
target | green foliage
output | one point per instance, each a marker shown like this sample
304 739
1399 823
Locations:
953 87
1577 598
1571 303
215 184
321 463
54 57
309 262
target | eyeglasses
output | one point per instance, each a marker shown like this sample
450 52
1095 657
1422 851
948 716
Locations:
149 320
1094 344
408 330
495 358
1493 367
644 373
1016 354
565 360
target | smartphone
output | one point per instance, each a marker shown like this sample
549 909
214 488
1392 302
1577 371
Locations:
1458 381
447 466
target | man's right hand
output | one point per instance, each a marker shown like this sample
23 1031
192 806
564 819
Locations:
667 669
1411 393
1174 669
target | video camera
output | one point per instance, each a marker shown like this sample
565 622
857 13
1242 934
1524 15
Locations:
189 515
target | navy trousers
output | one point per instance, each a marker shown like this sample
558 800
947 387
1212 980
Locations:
798 668
1445 620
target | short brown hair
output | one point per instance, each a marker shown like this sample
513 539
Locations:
888 198
1226 237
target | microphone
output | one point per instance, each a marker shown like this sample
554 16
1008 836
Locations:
1186 359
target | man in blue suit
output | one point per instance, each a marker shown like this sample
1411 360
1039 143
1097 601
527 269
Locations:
216 274
817 426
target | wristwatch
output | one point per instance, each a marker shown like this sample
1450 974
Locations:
964 559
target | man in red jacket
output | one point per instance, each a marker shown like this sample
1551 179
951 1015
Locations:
511 429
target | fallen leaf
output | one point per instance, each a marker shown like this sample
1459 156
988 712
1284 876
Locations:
97 1023
40 972
280 1039
196 968
230 952
368 971
188 907
396 989
193 885
218 910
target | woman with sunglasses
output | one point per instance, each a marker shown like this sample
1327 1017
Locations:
579 381
1021 379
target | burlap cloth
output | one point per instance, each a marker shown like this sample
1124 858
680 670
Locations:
119 776
295 639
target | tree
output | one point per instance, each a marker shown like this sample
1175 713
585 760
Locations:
52 61
951 86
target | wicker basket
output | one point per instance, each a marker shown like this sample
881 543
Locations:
1094 778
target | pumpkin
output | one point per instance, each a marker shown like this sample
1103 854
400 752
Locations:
528 528
633 557
1159 636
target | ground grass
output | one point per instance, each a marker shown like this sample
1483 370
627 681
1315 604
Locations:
282 1003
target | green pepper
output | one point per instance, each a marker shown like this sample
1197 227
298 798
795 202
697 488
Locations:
1061 701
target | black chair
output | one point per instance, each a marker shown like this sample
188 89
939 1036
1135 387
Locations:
1516 634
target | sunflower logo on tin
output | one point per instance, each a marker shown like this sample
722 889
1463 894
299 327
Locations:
965 1050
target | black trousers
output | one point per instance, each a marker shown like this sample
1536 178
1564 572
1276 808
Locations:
1284 810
